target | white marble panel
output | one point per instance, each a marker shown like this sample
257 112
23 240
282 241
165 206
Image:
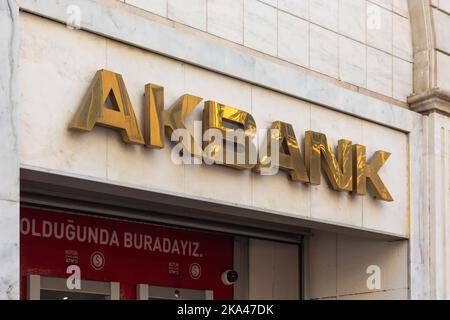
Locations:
443 74
403 79
9 250
322 260
383 3
352 19
277 264
379 71
9 37
323 50
279 191
273 3
444 5
155 6
260 27
9 153
299 8
441 29
355 255
401 7
438 203
402 38
261 266
352 61
286 280
324 13
54 76
226 19
379 27
293 46
189 12
327 204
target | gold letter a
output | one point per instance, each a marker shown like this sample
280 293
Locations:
107 103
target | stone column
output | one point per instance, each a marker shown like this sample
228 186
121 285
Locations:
430 246
9 161
437 204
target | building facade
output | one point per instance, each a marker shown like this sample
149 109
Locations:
91 188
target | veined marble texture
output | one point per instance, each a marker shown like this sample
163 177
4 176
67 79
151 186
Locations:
226 19
193 14
260 28
287 29
9 172
379 71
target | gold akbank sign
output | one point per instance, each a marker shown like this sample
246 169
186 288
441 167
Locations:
107 103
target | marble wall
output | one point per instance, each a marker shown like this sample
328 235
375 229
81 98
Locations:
9 172
431 23
274 271
441 19
437 204
339 267
363 43
70 61
346 47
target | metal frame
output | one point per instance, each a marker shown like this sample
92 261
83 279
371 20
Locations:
146 292
36 283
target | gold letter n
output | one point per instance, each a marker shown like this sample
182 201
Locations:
338 171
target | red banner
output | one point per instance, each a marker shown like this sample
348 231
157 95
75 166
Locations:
130 253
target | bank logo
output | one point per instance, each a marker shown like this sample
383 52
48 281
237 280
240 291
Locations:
195 271
229 136
97 260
